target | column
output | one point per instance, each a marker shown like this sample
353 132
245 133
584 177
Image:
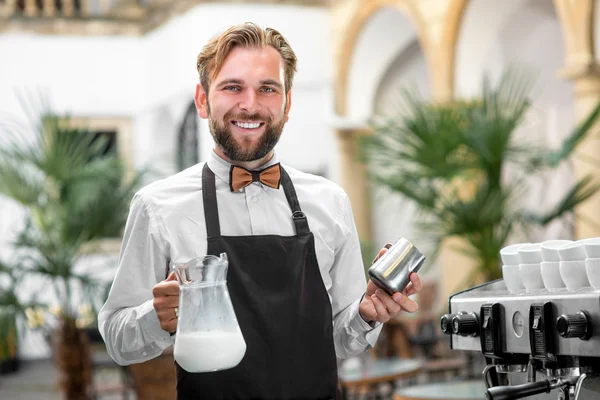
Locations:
354 182
577 22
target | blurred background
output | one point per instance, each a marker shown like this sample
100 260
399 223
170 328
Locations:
462 125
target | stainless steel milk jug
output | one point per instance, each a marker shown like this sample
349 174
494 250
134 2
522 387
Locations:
392 271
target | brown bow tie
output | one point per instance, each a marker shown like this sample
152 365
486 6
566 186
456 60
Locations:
240 177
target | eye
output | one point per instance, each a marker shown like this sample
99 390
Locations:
268 89
232 88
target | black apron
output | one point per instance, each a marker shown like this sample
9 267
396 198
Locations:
283 310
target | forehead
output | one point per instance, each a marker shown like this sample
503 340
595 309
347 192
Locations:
252 64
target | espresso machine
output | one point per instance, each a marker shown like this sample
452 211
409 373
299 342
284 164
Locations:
537 344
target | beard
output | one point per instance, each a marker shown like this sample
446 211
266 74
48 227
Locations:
221 133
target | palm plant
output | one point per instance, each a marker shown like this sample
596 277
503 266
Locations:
10 308
451 161
74 194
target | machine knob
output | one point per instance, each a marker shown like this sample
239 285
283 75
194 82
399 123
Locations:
465 324
574 325
446 323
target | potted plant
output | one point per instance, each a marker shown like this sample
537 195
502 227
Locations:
12 316
8 340
74 194
451 160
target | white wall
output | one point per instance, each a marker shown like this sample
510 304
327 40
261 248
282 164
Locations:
479 31
383 38
152 80
82 75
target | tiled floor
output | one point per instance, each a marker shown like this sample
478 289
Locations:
38 380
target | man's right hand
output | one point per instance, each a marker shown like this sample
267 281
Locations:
166 301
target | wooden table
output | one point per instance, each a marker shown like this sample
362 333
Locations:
462 390
377 371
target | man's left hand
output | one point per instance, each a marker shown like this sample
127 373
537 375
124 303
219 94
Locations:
379 306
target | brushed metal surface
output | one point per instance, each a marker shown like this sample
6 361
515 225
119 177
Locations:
515 308
392 271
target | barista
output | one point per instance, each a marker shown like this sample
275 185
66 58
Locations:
296 276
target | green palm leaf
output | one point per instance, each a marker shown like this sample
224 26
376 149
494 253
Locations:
450 160
73 192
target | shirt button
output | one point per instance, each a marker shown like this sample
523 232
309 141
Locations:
255 199
144 353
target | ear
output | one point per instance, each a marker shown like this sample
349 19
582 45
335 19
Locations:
288 105
201 100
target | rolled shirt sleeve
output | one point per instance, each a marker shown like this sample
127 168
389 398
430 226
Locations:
352 335
128 322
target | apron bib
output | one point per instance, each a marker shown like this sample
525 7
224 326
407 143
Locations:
283 310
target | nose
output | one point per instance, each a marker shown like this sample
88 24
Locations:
249 102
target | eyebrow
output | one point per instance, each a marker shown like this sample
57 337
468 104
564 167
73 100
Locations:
272 82
233 81
230 82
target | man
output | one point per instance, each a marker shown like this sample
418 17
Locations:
290 238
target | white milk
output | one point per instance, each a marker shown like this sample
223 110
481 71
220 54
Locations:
209 350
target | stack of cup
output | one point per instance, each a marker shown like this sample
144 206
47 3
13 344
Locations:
573 265
510 267
592 261
530 257
550 265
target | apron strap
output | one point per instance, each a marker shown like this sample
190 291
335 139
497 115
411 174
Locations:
209 196
211 213
298 215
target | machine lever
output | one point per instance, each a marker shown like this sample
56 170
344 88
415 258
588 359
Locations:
528 389
518 391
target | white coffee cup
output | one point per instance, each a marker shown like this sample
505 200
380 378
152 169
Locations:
574 251
574 274
550 249
550 266
572 265
510 268
592 268
592 247
530 257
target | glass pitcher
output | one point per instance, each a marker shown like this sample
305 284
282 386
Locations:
208 335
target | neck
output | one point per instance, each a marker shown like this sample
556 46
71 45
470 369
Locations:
250 165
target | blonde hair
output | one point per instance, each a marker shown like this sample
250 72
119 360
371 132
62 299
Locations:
250 36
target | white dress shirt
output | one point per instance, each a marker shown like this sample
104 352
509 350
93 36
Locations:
166 224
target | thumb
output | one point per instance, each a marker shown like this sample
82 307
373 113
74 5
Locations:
171 277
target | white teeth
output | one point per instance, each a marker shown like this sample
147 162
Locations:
248 125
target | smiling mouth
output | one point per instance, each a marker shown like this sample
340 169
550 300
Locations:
248 125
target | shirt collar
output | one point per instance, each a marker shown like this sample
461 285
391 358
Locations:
221 167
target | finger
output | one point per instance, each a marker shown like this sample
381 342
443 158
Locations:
166 314
415 285
166 288
367 309
382 314
404 302
172 277
170 326
163 302
391 306
371 288
416 281
382 252
410 290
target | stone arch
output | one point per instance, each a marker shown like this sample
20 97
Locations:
384 38
354 27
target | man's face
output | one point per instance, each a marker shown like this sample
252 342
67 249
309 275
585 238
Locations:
247 106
